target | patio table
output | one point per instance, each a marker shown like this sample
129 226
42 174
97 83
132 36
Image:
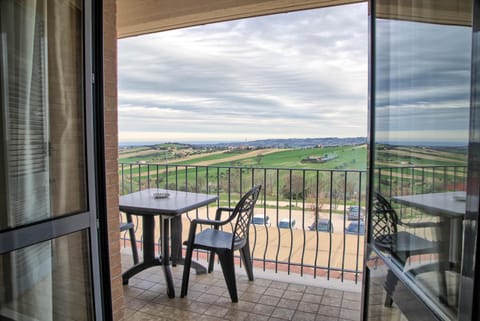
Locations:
449 206
144 204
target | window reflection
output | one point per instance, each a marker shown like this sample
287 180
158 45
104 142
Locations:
423 84
42 148
404 307
48 281
422 110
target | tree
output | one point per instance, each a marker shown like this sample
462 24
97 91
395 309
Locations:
258 159
315 209
352 184
294 187
338 188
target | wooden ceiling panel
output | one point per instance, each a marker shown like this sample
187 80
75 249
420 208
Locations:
449 12
136 17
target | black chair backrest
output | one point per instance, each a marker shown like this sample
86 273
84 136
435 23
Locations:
244 213
384 223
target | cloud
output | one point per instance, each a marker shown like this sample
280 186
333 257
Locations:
300 74
423 82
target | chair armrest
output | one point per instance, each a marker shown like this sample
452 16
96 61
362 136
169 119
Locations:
124 226
216 223
197 221
218 213
419 224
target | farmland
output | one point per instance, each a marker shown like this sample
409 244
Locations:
284 170
348 157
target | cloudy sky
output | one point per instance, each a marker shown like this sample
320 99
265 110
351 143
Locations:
301 74
423 82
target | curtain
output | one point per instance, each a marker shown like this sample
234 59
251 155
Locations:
66 106
24 105
26 166
43 157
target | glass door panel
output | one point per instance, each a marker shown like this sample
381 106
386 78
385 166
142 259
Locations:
419 156
48 234
42 110
50 280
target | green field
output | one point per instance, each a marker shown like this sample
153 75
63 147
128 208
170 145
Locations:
285 171
348 157
416 156
234 171
214 157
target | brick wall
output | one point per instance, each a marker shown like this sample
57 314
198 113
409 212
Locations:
111 153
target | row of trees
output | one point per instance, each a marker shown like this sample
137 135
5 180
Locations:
285 185
295 186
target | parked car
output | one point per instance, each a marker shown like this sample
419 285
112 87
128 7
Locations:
355 228
355 212
261 220
323 225
287 223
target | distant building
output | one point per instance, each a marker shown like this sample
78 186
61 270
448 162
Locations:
319 159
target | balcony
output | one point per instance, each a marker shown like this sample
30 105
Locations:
306 196
270 297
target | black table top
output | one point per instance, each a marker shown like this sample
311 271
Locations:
144 203
444 204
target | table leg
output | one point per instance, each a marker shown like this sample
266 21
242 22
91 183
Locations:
450 256
164 228
444 259
176 224
455 245
177 257
149 258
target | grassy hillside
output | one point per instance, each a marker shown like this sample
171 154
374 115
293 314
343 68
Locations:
347 157
420 156
235 170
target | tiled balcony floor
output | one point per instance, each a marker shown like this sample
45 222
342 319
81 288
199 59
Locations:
208 300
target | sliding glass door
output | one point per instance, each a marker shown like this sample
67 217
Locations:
423 185
48 235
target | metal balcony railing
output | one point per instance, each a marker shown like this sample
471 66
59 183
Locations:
307 221
410 180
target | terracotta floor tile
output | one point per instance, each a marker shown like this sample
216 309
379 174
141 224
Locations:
208 299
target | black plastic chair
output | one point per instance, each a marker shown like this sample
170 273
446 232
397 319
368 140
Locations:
224 243
400 244
130 227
